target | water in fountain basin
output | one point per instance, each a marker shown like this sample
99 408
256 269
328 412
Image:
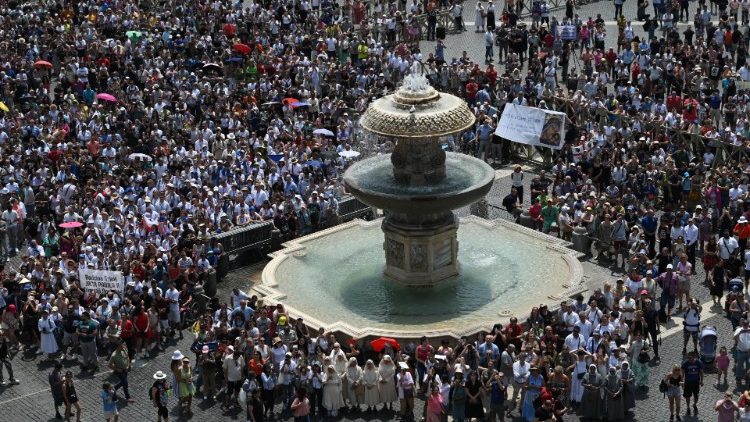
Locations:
340 279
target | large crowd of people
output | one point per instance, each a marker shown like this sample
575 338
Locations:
133 132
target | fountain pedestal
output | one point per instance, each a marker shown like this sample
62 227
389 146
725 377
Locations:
420 254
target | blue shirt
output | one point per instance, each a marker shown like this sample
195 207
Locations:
109 404
692 370
649 223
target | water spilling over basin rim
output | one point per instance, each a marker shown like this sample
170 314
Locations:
467 180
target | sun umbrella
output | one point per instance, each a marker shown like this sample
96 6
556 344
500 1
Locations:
324 132
4 107
270 103
349 153
276 157
133 34
42 63
106 97
212 66
379 343
287 101
241 48
71 225
299 104
137 156
234 60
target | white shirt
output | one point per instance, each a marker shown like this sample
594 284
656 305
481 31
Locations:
691 234
727 246
173 295
574 343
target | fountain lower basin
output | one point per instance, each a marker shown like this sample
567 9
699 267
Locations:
334 279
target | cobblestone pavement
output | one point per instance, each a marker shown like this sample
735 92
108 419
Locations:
473 42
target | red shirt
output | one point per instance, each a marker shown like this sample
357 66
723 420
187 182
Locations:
471 90
126 331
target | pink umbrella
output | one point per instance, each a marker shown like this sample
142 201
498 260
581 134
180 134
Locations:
106 97
71 225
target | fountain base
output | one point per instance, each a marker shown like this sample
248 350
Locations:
420 254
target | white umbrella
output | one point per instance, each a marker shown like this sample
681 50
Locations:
137 156
324 132
349 153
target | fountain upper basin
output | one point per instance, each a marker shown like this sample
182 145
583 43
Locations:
467 180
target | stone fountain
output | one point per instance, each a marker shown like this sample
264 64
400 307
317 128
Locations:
425 183
338 279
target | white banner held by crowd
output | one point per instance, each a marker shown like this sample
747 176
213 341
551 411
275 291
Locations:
100 281
532 126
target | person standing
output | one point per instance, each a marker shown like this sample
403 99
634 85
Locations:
332 399
119 363
255 411
742 342
56 387
71 397
87 332
405 383
109 402
497 394
489 43
370 382
592 405
435 407
47 332
726 408
691 325
160 396
386 382
301 406
5 359
516 179
692 375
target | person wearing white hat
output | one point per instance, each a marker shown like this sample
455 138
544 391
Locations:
742 231
160 396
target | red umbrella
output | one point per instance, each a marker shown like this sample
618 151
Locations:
379 343
241 48
71 225
43 63
287 101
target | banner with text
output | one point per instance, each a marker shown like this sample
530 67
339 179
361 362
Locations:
100 281
532 126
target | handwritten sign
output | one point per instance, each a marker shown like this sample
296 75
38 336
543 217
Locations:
532 126
100 281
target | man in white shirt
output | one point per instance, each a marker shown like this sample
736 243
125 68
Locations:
742 343
727 246
173 296
521 372
584 325
627 308
575 340
691 239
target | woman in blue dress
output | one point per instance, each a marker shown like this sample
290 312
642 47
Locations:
535 384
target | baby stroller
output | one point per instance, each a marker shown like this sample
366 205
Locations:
707 343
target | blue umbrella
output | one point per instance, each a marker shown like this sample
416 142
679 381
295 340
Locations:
234 60
276 157
315 163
